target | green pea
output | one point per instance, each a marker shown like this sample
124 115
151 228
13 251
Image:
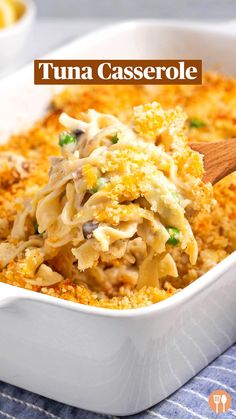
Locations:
66 138
197 123
174 235
115 139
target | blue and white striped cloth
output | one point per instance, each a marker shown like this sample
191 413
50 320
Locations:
191 401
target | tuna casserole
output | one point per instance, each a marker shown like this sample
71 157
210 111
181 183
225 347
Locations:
102 202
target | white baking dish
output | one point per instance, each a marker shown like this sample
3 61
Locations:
110 361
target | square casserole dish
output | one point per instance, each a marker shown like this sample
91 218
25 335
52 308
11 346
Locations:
110 361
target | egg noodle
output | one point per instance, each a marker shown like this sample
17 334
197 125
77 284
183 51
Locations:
116 202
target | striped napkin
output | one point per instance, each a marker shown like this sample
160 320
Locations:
191 401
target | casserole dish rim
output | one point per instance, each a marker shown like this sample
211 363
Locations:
183 296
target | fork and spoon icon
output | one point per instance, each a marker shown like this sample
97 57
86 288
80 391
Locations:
220 399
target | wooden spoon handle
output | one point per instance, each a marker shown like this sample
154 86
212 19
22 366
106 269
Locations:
219 159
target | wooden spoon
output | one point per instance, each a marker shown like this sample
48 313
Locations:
219 159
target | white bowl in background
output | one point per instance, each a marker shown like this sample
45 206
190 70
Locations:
12 38
116 362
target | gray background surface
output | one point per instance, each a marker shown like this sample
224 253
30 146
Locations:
122 9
